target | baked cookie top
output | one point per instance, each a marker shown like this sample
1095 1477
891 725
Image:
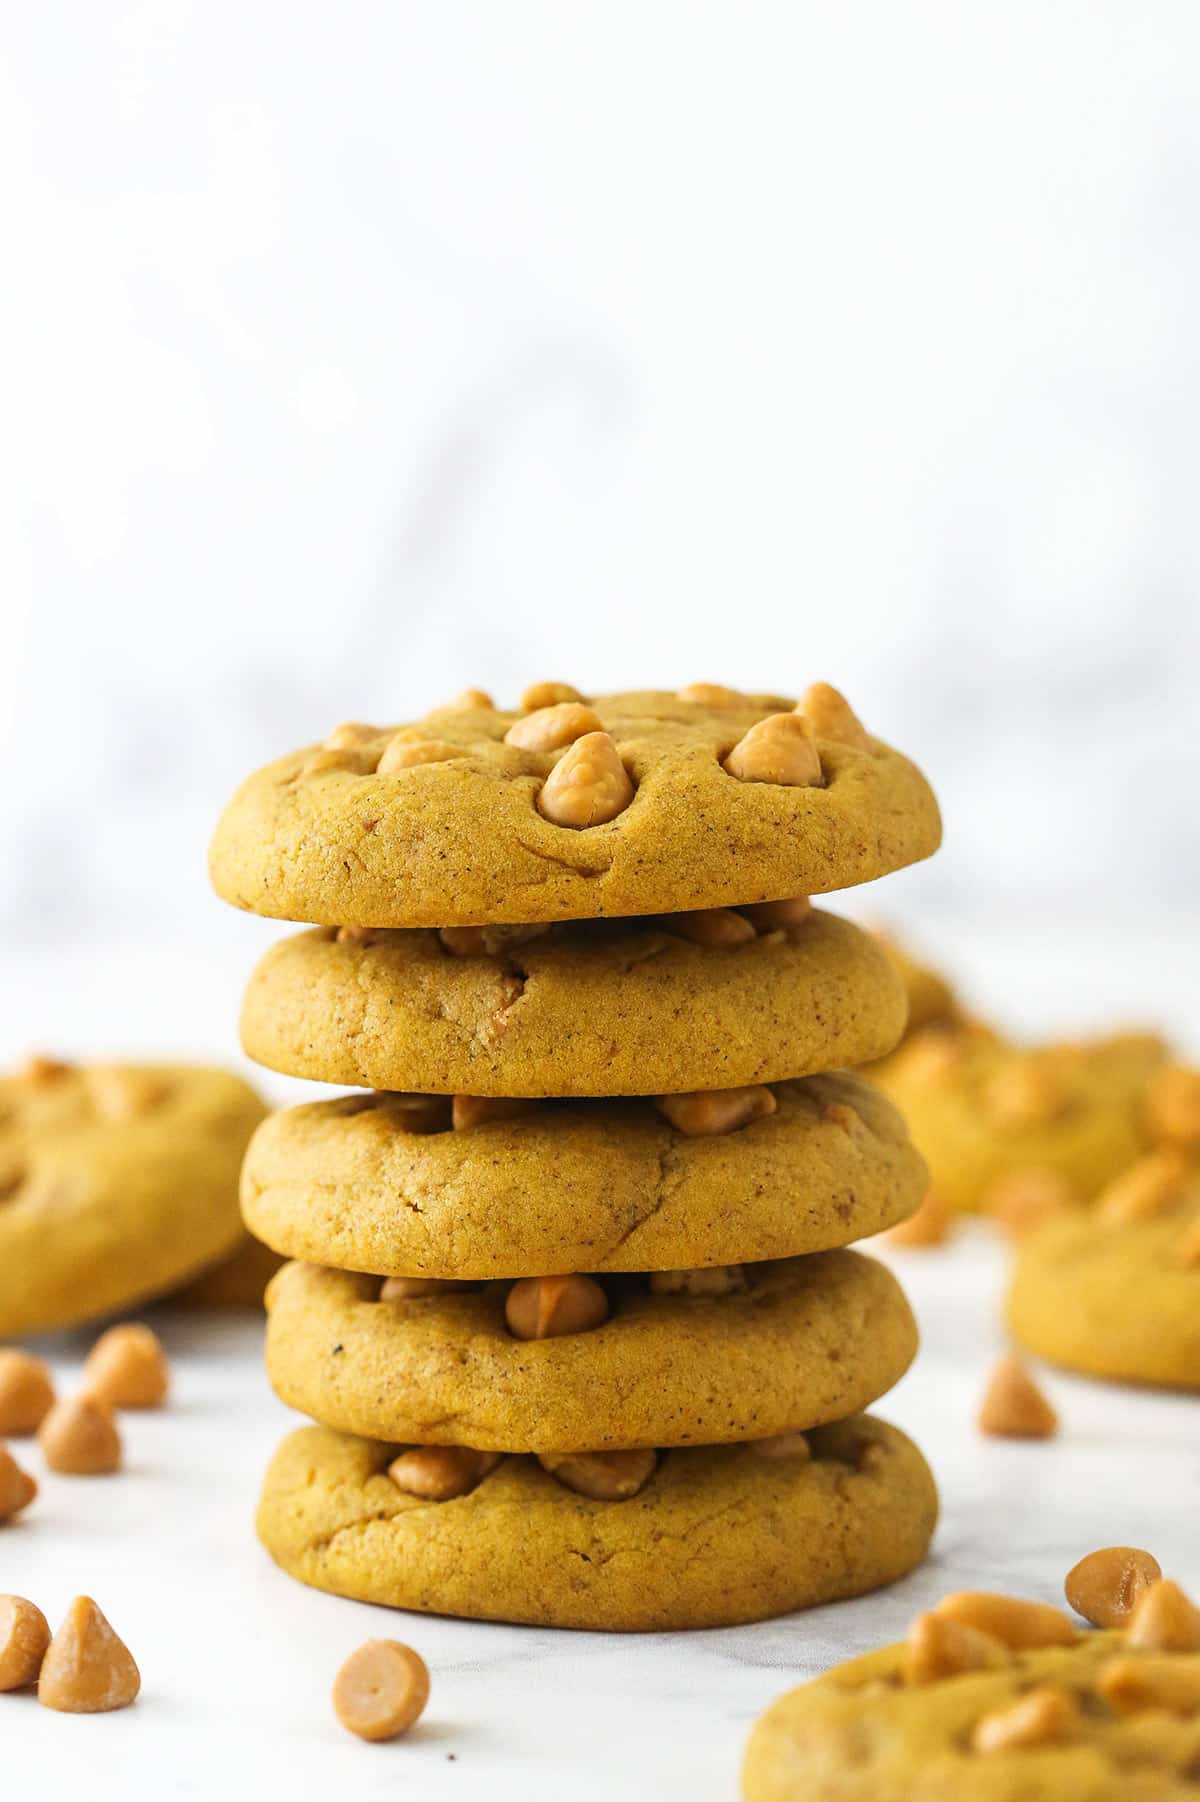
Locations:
594 1008
1097 1719
117 1181
383 1183
649 802
713 1536
787 1346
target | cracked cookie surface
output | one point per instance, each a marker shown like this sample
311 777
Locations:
117 1183
810 1340
628 1008
323 836
579 1185
718 1536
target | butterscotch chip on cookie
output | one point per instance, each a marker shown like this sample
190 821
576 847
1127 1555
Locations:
713 1537
670 802
621 1008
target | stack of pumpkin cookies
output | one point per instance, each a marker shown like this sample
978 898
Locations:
570 1298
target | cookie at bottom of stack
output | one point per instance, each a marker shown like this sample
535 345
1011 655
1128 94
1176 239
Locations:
715 1537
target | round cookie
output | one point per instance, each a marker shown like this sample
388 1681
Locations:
718 1536
980 1110
628 1008
861 1733
236 1282
580 1185
1116 1301
117 1183
808 1341
321 835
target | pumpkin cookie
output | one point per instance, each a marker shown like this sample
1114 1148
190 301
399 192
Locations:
793 1344
1095 1720
381 1183
622 804
117 1182
629 1008
713 1537
980 1110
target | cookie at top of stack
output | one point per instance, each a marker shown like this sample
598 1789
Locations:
573 1307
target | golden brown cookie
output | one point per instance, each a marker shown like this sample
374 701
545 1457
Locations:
445 823
627 1008
980 1110
716 1537
236 1282
807 1340
117 1182
1077 1723
579 1185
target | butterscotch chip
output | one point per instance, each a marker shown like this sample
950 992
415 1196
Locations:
1043 1716
477 1110
830 715
441 1473
1172 1105
708 1111
486 941
24 1636
1025 1199
549 728
26 1392
546 1307
548 694
1164 1620
588 786
710 694
352 733
927 1227
87 1668
604 1476
418 1288
79 1438
1025 1092
467 700
779 749
782 1447
778 916
381 1690
355 760
401 753
1022 1626
120 1093
937 1648
1106 1586
718 1279
17 1488
127 1368
355 935
39 1069
710 926
1131 1685
1152 1186
1013 1406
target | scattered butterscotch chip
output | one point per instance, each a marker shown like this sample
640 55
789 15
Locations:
487 941
87 1668
937 1648
350 734
418 1288
831 716
1156 1183
588 786
477 1110
26 1392
40 1069
602 1476
401 753
355 935
783 1447
1044 1716
717 1279
548 694
381 1690
1172 1105
1026 1092
79 1438
1106 1586
928 1227
354 760
1025 1199
468 700
118 1092
17 1488
1013 1406
24 1636
552 727
441 1473
127 1368
547 1307
705 1112
1022 1626
780 749
710 694
709 926
778 916
1164 1619
1170 1682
